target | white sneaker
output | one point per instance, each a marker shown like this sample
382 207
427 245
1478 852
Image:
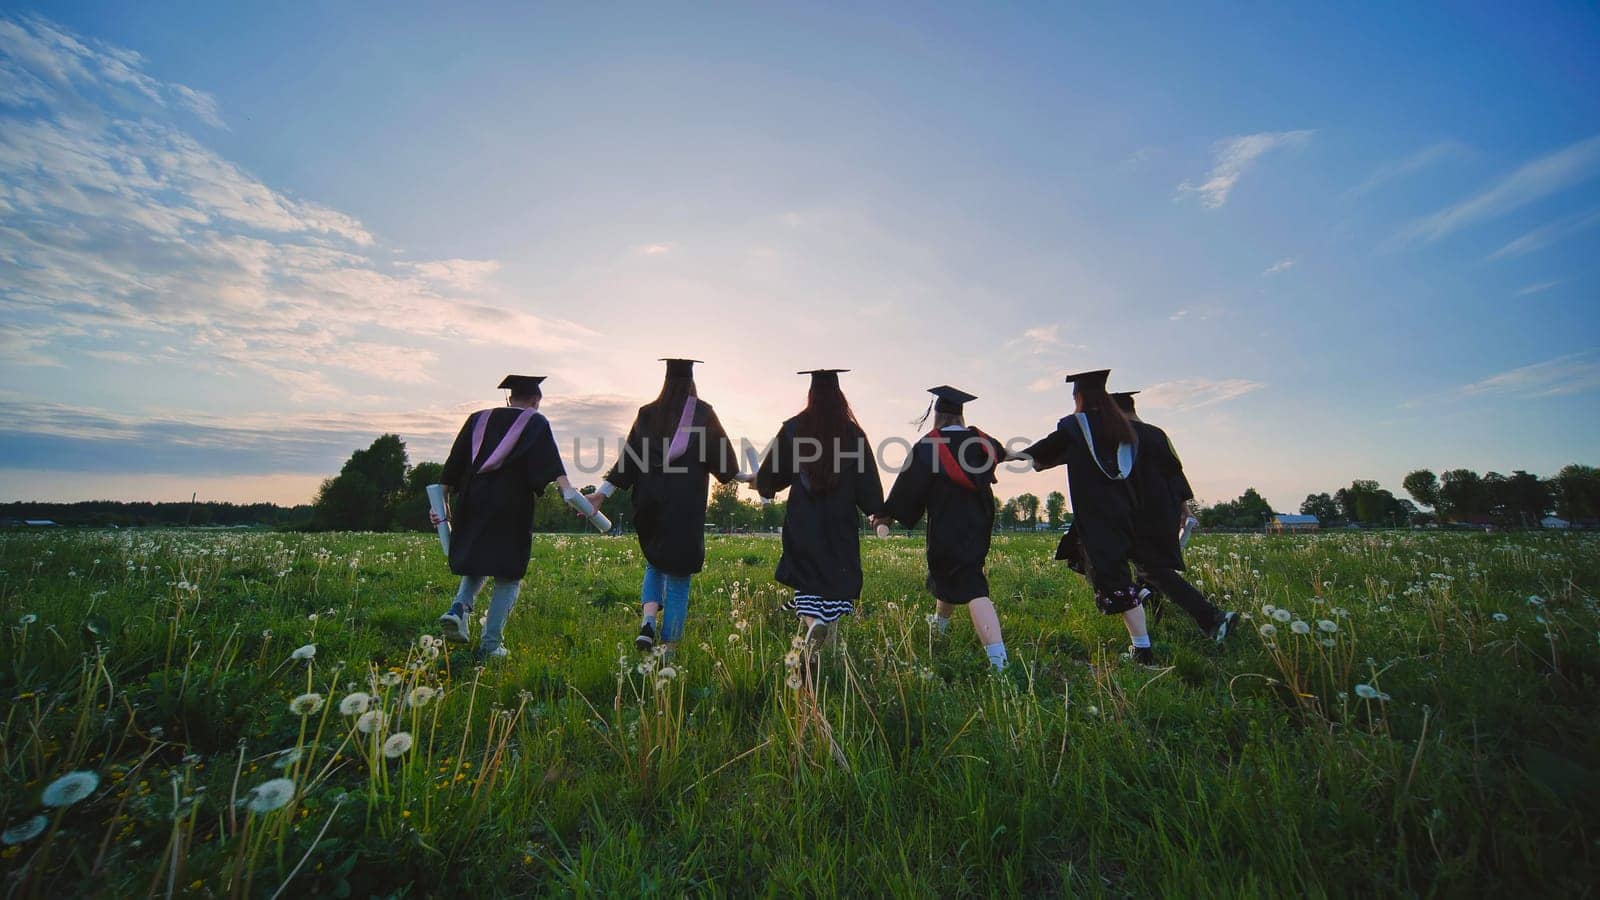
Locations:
454 625
499 652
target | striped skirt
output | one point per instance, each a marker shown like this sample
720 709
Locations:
820 608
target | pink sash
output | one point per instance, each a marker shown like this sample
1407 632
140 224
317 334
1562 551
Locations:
680 438
507 444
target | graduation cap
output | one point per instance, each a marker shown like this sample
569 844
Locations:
1093 380
823 376
949 399
522 385
1124 400
680 368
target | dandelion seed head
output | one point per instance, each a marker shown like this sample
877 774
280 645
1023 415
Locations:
287 758
270 795
306 704
1269 630
397 744
70 788
1282 615
304 652
667 673
1300 627
1327 625
372 720
24 831
1366 692
27 619
421 696
355 704
1501 617
793 681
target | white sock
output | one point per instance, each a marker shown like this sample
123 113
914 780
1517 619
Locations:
1142 642
647 620
941 624
997 653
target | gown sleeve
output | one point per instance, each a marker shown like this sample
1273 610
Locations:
869 495
721 459
773 476
456 464
908 498
544 457
1050 451
625 473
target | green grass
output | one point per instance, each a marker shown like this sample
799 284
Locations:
162 662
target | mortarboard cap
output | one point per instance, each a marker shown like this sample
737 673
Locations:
522 385
949 398
823 376
1093 380
1124 400
680 368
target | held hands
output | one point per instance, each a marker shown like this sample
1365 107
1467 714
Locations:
434 520
745 478
881 521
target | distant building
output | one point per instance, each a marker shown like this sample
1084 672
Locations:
1282 523
1554 522
40 523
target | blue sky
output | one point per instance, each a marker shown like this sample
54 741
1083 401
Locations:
1329 242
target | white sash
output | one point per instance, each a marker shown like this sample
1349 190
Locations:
1124 453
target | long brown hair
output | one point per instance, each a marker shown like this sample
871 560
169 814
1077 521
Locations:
1112 422
659 419
828 420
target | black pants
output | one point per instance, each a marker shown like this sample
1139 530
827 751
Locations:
1172 584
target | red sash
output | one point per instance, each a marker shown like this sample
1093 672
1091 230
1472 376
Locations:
948 462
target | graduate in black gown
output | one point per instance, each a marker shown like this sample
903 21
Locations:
674 449
501 461
823 458
1163 493
1099 447
949 475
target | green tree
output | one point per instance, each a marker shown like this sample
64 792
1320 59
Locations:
1320 505
1461 495
1007 518
1423 486
1577 490
723 510
1054 505
1249 510
1028 510
362 496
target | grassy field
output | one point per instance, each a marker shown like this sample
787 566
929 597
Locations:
1436 730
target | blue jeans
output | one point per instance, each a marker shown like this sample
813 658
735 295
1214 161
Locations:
500 603
671 593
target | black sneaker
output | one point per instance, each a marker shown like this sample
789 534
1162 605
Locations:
646 641
1144 656
1219 632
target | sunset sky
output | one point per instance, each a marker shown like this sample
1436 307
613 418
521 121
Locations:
239 241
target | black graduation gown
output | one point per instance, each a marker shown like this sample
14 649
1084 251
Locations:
1161 490
821 533
669 502
1102 507
960 519
491 529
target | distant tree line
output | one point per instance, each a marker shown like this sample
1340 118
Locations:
143 514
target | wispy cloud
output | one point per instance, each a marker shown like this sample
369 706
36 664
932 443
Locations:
1235 156
1282 265
654 249
1041 339
46 435
1426 158
1193 393
1537 288
122 230
1534 180
1575 373
1545 235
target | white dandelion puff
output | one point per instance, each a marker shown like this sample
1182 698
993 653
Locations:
421 696
304 652
270 795
354 704
1329 642
793 681
1327 625
1501 617
370 721
70 788
427 641
668 673
306 704
390 679
791 659
1269 631
287 758
1300 627
27 619
24 831
397 744
1367 692
1282 615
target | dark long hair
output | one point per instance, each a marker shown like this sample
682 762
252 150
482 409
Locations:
828 420
659 419
1111 421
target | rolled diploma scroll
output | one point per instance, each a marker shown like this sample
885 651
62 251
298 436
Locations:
755 466
581 503
1189 525
436 501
